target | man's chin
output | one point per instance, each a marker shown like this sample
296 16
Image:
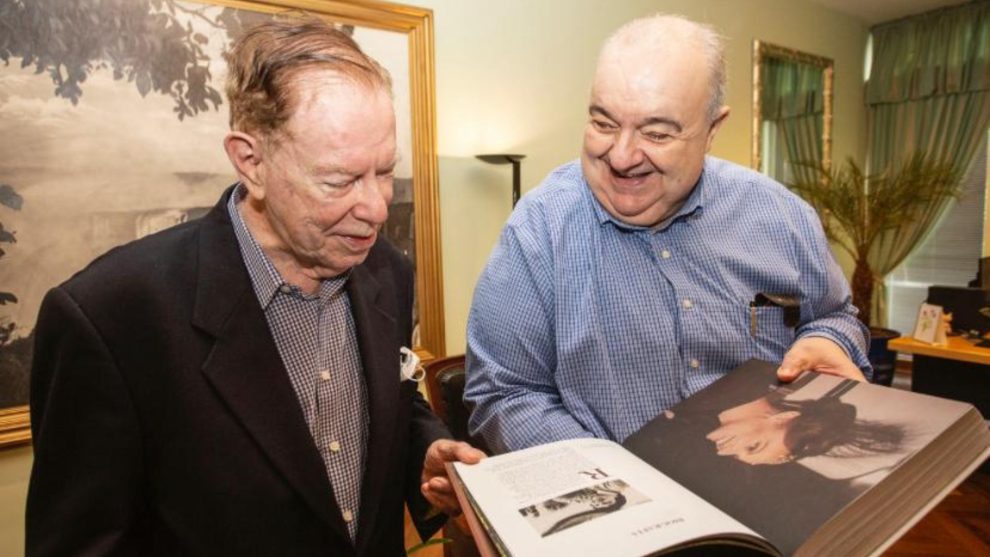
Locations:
337 264
633 213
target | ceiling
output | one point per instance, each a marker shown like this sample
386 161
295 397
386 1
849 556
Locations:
877 11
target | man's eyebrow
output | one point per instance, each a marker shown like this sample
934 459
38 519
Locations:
337 169
651 121
595 109
332 169
654 120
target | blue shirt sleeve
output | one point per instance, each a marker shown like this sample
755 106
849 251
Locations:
831 313
511 346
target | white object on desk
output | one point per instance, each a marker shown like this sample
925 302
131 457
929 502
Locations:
932 325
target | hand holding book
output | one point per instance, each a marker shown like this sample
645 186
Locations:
820 355
436 485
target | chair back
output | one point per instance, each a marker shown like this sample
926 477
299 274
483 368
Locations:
445 384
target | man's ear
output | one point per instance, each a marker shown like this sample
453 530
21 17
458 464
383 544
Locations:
246 154
723 115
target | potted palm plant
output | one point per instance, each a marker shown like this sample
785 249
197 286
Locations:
878 220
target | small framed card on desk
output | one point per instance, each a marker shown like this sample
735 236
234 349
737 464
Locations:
932 324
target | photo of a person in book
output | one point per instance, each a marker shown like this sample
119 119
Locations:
786 457
577 507
774 429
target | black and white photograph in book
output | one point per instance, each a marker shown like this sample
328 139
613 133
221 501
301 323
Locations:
811 446
794 423
577 507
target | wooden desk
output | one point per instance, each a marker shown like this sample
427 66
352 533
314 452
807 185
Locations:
958 348
960 370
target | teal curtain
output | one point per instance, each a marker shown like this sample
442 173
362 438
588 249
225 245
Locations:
929 91
792 102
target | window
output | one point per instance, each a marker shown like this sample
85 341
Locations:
949 256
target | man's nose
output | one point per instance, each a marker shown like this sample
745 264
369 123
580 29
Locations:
625 154
372 203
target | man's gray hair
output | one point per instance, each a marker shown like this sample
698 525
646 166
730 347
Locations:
661 27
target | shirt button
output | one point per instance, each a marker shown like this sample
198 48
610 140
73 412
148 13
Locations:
334 446
687 303
695 364
665 254
348 515
325 375
285 289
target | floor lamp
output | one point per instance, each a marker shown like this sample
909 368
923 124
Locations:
514 160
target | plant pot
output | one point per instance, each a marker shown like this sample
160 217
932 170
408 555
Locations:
882 359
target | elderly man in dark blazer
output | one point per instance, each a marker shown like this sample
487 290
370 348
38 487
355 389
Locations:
231 386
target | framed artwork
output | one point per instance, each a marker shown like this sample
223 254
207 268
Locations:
112 116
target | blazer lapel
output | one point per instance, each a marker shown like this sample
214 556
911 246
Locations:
245 369
376 334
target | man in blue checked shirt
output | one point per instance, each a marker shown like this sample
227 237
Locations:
622 285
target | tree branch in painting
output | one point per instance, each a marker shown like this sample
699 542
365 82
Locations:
150 43
15 353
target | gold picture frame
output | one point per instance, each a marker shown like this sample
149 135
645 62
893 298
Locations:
15 426
416 24
763 50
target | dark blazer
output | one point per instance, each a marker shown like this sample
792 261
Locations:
165 423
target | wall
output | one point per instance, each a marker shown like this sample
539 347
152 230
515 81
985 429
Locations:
513 76
15 467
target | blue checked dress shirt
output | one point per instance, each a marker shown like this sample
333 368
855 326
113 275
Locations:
316 339
584 326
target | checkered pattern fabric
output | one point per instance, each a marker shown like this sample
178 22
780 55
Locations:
584 326
316 339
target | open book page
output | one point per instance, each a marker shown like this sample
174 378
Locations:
587 497
785 459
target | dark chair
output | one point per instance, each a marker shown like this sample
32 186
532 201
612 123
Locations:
445 386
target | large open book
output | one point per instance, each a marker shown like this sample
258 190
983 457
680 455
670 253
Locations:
823 466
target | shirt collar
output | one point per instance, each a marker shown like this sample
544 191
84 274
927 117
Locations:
693 206
265 278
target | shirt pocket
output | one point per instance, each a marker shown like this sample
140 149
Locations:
772 337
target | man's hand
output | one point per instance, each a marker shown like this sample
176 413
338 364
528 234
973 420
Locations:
817 354
436 485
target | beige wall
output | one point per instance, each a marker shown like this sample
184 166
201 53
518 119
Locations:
513 76
15 467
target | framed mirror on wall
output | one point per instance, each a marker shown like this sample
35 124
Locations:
792 111
112 130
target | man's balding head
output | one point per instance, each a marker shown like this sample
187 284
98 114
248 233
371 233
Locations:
661 37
